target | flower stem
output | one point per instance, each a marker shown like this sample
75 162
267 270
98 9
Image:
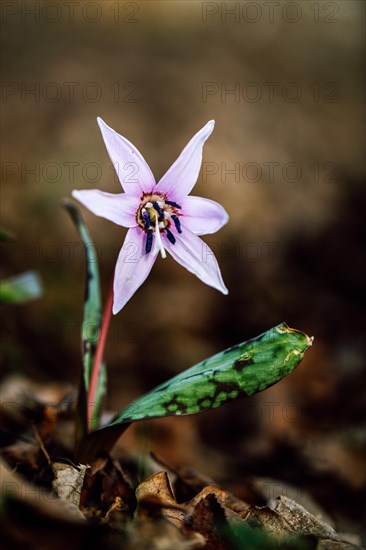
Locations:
98 358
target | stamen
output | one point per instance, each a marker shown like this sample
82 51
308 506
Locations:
176 223
158 242
158 209
170 236
146 217
149 205
149 241
167 215
172 203
161 225
161 204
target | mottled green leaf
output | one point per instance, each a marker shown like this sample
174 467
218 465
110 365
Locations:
21 288
90 328
239 371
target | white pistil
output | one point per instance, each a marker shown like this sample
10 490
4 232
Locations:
149 205
158 245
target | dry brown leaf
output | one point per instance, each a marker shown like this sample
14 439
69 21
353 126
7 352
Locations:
16 487
211 507
207 516
270 521
189 481
226 499
68 481
155 497
291 519
305 523
157 485
270 489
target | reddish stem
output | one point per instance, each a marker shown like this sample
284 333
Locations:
98 358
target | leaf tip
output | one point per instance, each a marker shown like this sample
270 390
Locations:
310 340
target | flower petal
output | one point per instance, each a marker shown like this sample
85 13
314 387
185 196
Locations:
203 216
181 177
194 254
131 167
132 268
118 208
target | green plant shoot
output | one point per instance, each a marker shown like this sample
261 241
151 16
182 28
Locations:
92 316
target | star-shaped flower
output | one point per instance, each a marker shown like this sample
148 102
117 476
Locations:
159 216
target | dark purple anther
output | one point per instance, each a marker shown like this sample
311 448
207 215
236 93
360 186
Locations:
146 217
149 241
158 209
174 204
176 223
170 235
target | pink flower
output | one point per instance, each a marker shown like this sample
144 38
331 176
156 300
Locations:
160 217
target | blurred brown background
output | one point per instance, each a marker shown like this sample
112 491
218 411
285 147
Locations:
285 83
